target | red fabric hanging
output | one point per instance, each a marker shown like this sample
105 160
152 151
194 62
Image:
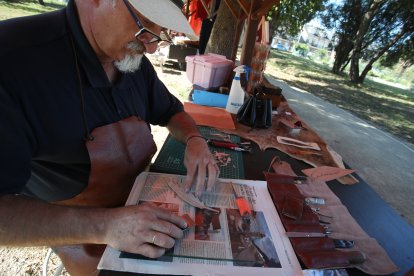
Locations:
197 15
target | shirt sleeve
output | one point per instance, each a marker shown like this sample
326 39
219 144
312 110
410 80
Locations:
16 146
163 105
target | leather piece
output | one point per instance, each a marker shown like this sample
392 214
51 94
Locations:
282 167
256 112
267 138
331 258
292 207
303 244
314 252
282 179
119 152
281 187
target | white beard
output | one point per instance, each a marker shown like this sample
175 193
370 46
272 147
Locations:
132 60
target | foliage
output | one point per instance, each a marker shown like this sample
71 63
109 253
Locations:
368 30
302 49
322 54
288 18
345 18
402 52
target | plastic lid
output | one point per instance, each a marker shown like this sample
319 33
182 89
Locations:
211 61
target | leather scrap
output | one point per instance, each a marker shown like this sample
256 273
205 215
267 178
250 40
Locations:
267 138
281 167
326 173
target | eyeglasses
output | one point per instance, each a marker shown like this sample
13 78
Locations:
163 37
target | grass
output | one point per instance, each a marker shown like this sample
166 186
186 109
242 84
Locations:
389 108
25 8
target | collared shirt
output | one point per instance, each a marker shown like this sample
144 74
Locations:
42 124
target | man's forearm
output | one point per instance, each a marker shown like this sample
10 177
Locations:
182 126
29 222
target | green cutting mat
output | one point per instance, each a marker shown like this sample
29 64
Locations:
171 156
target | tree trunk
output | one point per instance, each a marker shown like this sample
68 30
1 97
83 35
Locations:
41 2
342 51
224 34
362 30
274 24
377 55
349 29
345 64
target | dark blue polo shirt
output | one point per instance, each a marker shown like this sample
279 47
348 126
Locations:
42 126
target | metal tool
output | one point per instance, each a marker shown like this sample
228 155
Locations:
343 243
314 200
300 180
229 145
305 235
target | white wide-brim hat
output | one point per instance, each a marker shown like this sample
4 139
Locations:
165 14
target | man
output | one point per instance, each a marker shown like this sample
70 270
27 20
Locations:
77 96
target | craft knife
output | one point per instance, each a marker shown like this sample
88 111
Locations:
228 145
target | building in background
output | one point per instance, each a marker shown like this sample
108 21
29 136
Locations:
312 42
315 37
311 35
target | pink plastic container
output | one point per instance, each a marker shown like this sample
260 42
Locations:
209 70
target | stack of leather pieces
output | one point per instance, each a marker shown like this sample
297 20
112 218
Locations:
310 240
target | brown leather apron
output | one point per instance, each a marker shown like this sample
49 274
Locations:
118 153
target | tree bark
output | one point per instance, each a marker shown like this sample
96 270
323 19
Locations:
362 30
345 64
381 52
342 51
249 41
274 24
349 28
224 34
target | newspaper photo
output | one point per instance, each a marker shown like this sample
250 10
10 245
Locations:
236 231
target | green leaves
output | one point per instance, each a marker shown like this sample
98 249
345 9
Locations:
288 18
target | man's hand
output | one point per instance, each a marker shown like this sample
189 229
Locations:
144 229
199 163
198 159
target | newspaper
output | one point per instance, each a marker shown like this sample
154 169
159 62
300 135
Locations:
220 243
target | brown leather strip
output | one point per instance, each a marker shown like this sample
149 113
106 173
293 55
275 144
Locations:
118 153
